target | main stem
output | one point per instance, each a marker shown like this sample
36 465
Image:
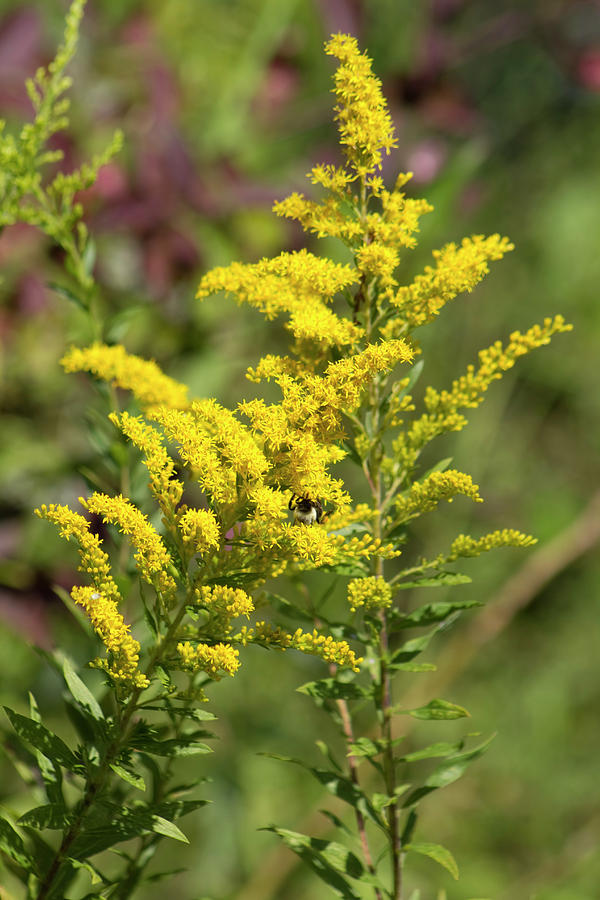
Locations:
375 481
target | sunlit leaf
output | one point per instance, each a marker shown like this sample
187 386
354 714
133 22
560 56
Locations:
436 852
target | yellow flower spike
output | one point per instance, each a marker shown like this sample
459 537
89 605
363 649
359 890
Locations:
324 219
224 604
142 377
198 450
216 661
467 391
152 558
299 284
464 545
164 486
364 123
233 440
372 592
458 269
314 644
425 495
110 626
94 561
199 530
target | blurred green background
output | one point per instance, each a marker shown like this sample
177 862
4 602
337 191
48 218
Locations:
225 105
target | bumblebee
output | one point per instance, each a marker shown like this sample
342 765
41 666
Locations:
306 511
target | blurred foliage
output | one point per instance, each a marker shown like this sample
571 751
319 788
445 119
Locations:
225 105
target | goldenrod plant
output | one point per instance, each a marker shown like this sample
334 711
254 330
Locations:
241 498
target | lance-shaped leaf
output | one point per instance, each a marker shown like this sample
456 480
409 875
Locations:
110 824
338 785
332 689
131 778
52 816
435 851
12 845
410 649
331 861
433 612
448 772
439 709
81 693
438 580
43 740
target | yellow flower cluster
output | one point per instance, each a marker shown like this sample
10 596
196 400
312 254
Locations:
151 556
464 545
372 593
364 123
299 284
216 661
109 625
425 495
166 488
312 643
94 561
325 219
149 385
199 529
443 407
458 269
224 604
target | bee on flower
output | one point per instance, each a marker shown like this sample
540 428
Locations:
306 511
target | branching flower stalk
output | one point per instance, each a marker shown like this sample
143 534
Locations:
270 502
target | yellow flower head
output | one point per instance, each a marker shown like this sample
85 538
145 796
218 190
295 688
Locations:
372 593
152 558
166 488
199 530
425 495
224 604
312 643
109 625
364 123
94 561
464 545
216 661
142 377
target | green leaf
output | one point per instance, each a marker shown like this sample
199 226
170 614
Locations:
436 852
52 816
410 649
433 612
89 256
12 845
51 772
414 667
80 692
439 709
440 466
68 294
329 860
454 766
175 809
172 747
168 829
336 784
131 778
43 740
332 689
409 827
442 748
438 580
448 772
109 824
